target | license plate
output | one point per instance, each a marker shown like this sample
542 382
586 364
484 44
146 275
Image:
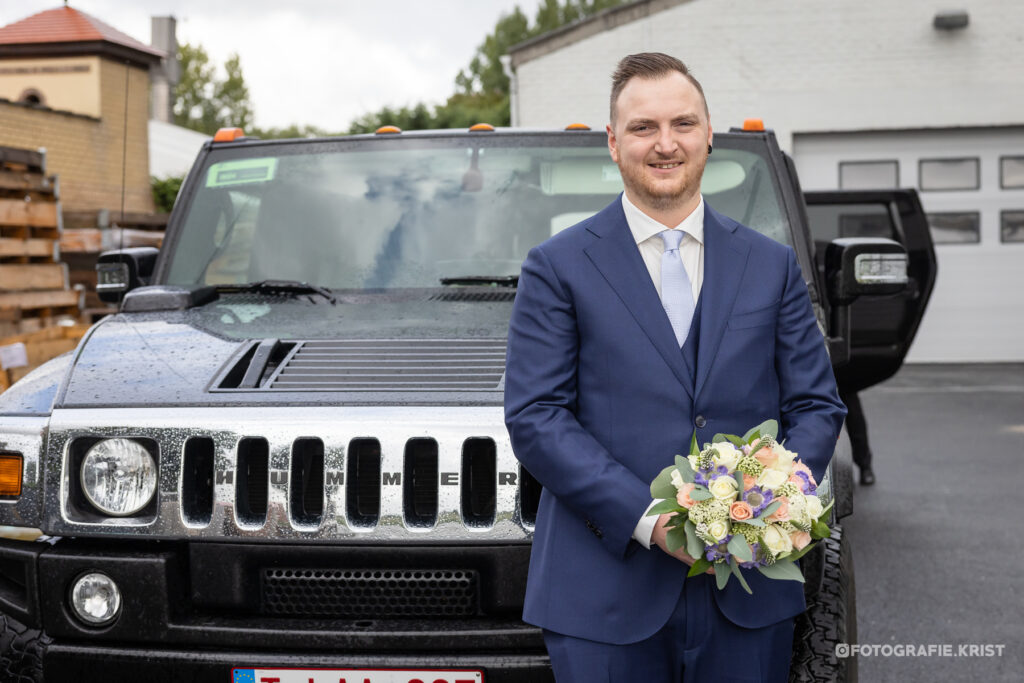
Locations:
356 676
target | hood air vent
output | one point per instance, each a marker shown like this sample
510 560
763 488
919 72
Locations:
369 365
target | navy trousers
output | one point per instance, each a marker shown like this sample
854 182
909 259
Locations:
697 644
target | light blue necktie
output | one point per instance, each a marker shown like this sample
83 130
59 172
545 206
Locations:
676 294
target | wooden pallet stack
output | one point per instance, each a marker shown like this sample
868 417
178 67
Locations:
34 292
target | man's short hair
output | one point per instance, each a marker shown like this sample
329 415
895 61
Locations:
649 65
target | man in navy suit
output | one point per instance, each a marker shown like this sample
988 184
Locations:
655 319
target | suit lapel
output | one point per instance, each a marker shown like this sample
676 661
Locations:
725 257
617 258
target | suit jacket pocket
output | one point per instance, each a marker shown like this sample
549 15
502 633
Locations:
762 316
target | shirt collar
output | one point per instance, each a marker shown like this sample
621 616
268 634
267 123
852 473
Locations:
644 227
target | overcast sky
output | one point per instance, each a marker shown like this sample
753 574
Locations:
317 62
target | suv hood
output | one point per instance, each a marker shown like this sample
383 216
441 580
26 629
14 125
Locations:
182 358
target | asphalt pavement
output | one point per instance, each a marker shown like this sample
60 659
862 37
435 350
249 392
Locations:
938 551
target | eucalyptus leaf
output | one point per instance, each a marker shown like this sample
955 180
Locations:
733 439
663 507
722 574
782 570
823 517
800 553
698 567
682 464
700 493
754 521
686 472
694 546
772 507
766 428
677 519
739 547
662 486
739 575
675 539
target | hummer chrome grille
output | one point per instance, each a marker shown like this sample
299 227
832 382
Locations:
307 474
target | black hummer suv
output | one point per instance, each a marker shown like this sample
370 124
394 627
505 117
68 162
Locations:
284 458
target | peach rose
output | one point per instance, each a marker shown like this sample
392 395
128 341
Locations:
766 456
683 497
800 539
797 481
740 511
749 482
781 513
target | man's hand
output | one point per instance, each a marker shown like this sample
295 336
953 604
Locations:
658 537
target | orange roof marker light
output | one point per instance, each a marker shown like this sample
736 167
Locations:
753 124
577 126
479 127
228 134
10 474
387 130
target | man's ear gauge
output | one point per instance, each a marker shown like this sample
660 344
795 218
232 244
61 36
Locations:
709 150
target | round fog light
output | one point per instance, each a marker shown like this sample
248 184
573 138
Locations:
95 599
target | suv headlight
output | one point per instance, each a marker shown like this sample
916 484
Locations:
118 476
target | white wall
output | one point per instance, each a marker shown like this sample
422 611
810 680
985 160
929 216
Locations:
804 65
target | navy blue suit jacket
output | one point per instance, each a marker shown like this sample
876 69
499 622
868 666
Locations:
599 398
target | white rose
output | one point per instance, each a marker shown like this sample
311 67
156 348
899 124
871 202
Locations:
718 530
785 460
776 540
723 488
772 479
677 479
814 508
725 453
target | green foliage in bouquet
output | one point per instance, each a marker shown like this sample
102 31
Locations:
689 528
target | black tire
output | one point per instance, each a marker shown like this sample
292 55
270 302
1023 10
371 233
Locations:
830 619
21 652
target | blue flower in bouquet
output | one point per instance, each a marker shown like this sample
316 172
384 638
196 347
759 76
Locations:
807 487
757 498
717 552
754 549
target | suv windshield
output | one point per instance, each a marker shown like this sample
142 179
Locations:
419 211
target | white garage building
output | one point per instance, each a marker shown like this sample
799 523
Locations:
862 93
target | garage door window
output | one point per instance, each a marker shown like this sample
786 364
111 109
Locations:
1012 226
868 175
955 228
949 174
1011 173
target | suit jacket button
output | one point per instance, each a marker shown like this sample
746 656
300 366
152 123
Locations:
700 421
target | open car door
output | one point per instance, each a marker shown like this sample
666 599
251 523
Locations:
881 327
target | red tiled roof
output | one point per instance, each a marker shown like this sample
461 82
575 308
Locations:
67 25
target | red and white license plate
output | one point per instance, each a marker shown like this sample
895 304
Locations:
356 676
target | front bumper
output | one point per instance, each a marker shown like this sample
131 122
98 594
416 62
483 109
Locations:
194 611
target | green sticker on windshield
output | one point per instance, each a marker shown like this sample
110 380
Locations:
241 172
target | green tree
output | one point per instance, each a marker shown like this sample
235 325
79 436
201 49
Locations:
205 102
482 88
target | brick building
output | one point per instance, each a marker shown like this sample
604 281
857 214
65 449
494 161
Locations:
865 93
79 88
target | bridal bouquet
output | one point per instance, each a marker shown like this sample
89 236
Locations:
742 502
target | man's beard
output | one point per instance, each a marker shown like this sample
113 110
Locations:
663 196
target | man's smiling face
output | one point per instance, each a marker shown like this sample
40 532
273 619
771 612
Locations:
660 139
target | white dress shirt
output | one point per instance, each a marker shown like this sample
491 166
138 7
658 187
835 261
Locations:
691 251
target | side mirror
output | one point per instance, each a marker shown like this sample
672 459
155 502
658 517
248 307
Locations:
858 266
118 272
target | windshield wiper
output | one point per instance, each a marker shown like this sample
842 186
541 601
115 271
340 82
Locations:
280 286
494 280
